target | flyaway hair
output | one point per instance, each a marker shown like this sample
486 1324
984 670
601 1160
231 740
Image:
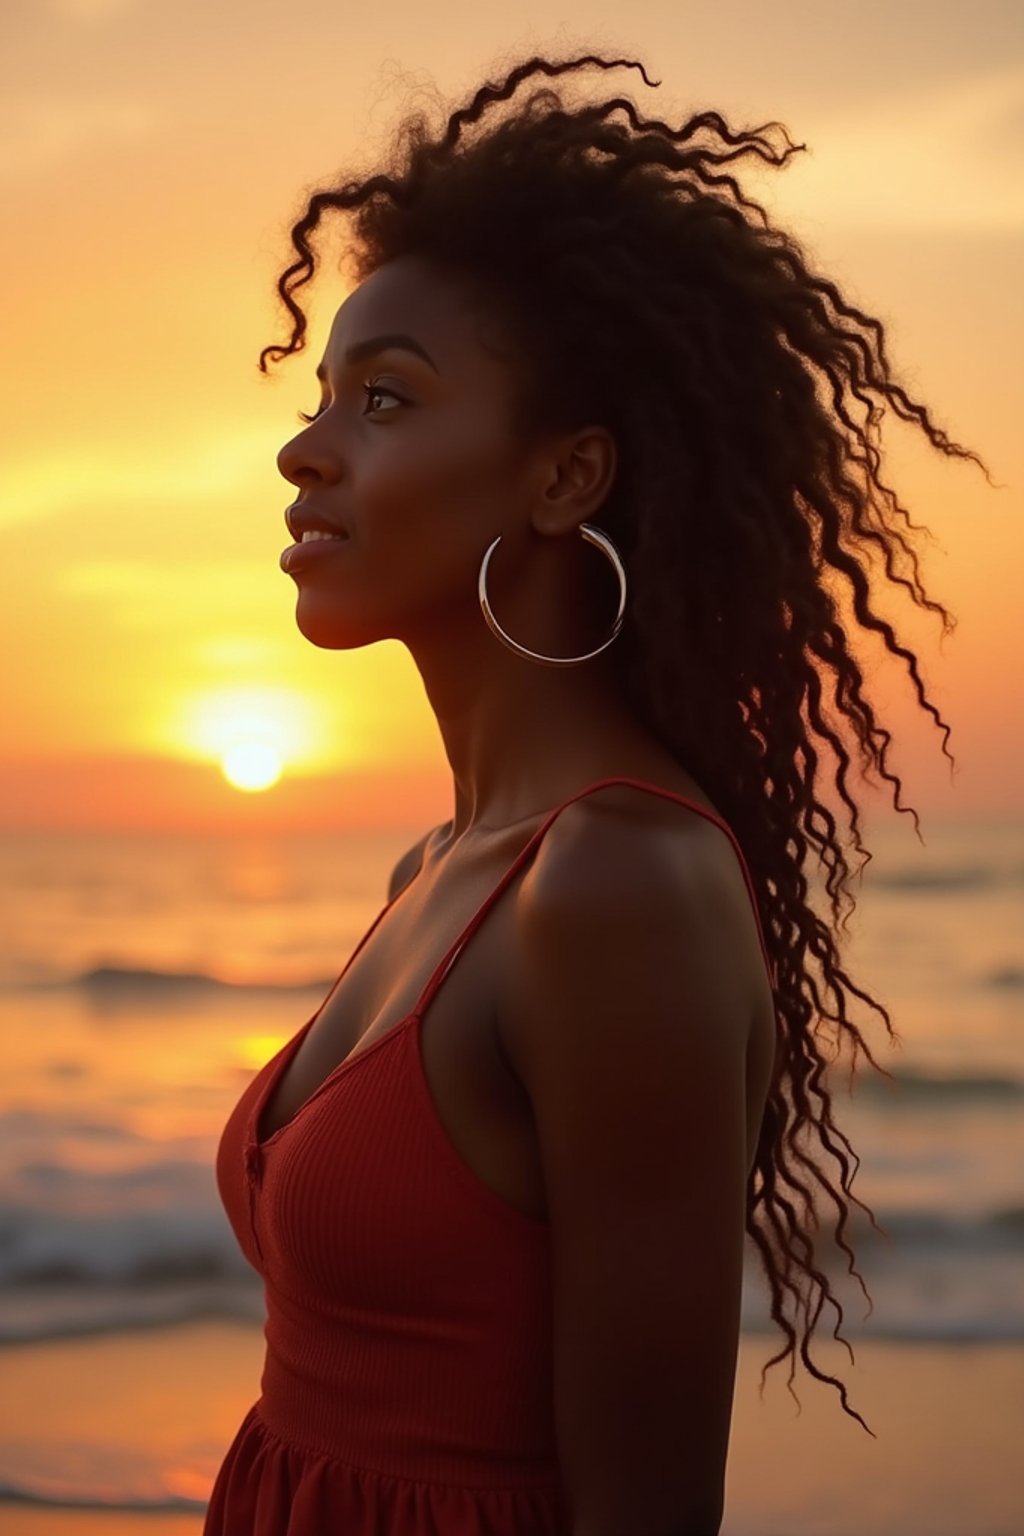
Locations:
629 283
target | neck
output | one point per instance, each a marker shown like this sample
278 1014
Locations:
520 737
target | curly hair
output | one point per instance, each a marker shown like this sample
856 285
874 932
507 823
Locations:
745 485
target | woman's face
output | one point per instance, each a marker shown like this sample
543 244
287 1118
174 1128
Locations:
413 459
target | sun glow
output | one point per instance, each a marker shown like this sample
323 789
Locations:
251 765
254 734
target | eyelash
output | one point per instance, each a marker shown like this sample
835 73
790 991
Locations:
369 388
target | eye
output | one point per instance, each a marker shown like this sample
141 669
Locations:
370 388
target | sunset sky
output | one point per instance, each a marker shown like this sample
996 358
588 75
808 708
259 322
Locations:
153 155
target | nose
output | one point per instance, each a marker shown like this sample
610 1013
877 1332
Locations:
305 458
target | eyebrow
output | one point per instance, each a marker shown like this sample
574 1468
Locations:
359 350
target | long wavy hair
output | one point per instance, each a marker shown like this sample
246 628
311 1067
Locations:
607 250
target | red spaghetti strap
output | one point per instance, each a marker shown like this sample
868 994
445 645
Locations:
369 932
481 912
376 1240
447 960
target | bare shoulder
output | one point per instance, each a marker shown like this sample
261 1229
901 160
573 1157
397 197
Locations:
619 865
630 1019
635 834
629 897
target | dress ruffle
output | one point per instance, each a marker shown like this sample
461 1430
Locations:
267 1487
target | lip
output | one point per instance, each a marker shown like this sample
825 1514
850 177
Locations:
297 556
301 518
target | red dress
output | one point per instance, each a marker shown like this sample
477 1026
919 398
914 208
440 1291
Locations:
407 1382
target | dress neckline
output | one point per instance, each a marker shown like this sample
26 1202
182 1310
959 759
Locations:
277 1064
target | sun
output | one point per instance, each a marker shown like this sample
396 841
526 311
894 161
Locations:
251 765
253 734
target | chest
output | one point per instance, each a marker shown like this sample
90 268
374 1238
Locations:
479 1101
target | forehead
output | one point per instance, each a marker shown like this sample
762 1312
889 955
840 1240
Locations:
406 297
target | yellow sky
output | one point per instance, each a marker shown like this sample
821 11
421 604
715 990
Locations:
152 156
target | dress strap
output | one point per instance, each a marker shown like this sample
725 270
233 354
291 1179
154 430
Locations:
448 959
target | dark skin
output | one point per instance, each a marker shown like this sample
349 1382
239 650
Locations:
630 1009
424 487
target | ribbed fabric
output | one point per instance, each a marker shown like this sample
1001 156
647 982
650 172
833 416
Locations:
407 1381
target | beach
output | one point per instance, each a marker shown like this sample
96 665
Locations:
946 1461
147 980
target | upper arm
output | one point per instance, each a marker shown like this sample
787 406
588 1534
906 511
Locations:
408 865
631 1019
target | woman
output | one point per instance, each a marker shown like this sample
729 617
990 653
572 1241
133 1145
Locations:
573 451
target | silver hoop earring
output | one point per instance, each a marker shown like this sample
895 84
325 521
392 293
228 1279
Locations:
600 541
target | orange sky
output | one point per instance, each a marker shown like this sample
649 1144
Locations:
151 159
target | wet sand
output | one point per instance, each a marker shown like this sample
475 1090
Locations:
946 1461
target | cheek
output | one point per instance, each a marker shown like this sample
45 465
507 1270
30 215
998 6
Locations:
442 489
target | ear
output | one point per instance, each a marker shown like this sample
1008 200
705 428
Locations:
579 475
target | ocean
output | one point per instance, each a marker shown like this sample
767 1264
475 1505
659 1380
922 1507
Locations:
144 979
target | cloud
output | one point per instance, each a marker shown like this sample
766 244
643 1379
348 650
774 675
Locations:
950 157
91 10
203 470
39 133
149 596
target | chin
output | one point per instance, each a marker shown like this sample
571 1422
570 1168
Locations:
331 629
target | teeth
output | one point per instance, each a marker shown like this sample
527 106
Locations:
318 533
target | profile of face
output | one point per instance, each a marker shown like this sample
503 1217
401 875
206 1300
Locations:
410 454
414 455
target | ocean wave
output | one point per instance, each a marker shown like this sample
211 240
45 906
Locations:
910 1302
948 877
970 877
183 1239
909 1087
69 1313
158 1224
143 979
999 1230
1008 978
906 1329
929 1275
169 1504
